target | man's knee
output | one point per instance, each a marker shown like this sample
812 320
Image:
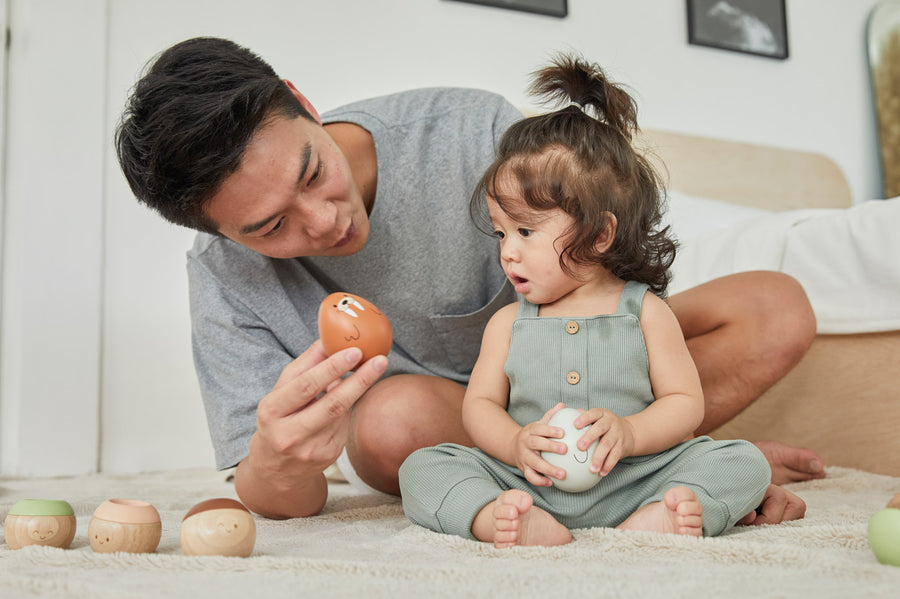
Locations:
398 416
383 425
786 319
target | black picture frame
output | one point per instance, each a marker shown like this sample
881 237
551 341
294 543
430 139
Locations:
756 27
553 8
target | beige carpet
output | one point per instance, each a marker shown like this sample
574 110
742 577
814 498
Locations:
362 546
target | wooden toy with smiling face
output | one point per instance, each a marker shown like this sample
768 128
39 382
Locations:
125 525
346 320
218 527
49 522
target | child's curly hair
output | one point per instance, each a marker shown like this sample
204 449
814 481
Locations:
580 159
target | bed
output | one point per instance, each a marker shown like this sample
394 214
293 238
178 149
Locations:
728 201
843 399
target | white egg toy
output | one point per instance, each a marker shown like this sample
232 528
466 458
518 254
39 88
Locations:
575 462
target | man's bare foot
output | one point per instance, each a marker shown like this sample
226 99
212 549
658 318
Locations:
778 505
791 464
512 520
680 513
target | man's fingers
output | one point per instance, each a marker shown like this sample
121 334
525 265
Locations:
795 508
341 397
778 505
314 354
296 391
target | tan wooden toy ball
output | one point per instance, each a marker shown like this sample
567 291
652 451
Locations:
895 501
125 525
49 522
218 527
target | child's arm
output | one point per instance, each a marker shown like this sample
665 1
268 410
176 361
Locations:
484 409
677 409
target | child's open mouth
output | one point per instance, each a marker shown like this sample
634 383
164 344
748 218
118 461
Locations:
520 284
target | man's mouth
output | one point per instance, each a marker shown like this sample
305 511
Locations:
348 236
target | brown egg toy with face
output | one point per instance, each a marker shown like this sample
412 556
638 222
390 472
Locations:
346 320
49 522
218 527
126 525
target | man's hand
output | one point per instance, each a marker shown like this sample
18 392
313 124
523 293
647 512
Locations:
302 427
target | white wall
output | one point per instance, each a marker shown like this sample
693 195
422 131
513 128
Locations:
150 415
5 410
52 237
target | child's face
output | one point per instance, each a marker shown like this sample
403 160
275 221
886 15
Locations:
530 245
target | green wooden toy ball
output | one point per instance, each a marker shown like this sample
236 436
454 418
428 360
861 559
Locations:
884 536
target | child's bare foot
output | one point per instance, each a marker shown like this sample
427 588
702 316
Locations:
512 520
680 513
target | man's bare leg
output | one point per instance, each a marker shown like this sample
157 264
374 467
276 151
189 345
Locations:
397 416
745 332
512 519
680 512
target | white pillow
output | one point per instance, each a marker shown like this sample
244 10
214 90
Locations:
846 259
690 216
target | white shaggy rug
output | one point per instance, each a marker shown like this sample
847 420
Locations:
362 546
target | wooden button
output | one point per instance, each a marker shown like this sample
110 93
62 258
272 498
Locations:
573 377
571 327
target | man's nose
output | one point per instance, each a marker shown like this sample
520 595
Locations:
319 219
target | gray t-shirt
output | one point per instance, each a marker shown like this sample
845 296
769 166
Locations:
425 265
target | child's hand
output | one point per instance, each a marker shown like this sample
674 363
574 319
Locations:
615 434
534 438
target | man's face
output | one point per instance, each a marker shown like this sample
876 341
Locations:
293 195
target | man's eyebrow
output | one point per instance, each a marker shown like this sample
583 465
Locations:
254 227
304 165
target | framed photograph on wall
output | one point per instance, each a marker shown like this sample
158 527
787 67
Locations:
554 8
751 26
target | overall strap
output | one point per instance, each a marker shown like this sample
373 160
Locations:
632 298
526 308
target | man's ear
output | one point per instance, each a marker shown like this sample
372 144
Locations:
303 101
605 240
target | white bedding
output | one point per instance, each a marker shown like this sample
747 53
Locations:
845 259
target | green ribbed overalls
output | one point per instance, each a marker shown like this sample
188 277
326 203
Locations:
444 487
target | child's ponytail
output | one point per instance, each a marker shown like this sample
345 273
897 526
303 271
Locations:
574 80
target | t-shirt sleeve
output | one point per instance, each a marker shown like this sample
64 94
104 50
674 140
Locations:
237 358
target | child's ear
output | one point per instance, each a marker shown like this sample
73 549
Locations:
605 240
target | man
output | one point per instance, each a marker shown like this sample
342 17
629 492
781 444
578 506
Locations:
371 200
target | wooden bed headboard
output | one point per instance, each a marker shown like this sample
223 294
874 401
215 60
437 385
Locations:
747 174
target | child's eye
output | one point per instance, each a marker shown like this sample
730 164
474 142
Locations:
525 232
499 234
